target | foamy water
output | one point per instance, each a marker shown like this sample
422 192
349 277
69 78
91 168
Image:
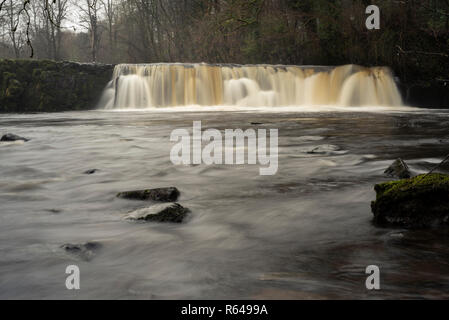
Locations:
143 86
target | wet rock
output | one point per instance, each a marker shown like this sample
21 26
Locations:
54 211
399 169
91 171
161 194
324 149
174 213
9 137
82 251
419 202
49 86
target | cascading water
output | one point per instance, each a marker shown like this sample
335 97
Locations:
142 86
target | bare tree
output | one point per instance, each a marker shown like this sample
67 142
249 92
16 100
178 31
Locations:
90 13
12 9
109 7
54 16
20 23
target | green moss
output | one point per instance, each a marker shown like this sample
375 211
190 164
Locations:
47 86
421 201
14 90
37 73
414 185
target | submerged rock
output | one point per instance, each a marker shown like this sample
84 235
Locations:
9 137
399 169
174 213
83 251
419 202
91 171
54 211
324 149
161 194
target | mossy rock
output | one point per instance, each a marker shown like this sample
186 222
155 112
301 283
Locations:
419 202
48 86
160 194
171 213
14 90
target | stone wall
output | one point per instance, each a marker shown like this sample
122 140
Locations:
48 86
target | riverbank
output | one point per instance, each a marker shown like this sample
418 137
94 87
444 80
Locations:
49 86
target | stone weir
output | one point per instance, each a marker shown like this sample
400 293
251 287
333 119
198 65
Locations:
49 86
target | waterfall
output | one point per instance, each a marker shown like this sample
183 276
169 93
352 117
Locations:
140 86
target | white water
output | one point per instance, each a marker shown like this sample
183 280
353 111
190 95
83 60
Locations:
167 85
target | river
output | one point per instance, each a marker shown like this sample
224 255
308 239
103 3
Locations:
304 233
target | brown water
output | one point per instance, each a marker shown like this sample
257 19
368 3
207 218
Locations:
303 233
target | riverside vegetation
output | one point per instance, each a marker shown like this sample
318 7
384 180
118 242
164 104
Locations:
412 39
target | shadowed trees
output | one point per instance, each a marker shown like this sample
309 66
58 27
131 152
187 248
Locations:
413 38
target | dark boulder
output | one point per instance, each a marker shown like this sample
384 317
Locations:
419 202
91 171
161 194
9 137
173 213
399 169
83 251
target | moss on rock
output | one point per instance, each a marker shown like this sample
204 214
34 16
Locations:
49 86
161 194
419 202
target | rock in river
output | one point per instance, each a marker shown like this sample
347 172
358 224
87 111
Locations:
173 212
419 202
9 137
90 171
160 194
83 251
399 169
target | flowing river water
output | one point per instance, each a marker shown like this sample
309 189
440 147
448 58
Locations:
304 233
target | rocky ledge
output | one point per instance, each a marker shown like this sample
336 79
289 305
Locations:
419 202
49 86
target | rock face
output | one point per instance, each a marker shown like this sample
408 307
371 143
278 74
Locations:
399 169
49 86
419 202
161 194
174 213
83 251
434 94
9 137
